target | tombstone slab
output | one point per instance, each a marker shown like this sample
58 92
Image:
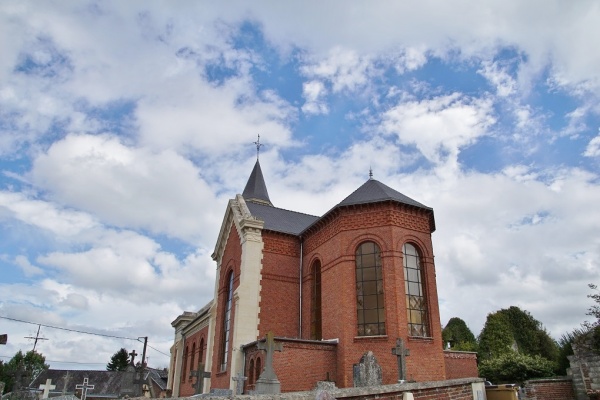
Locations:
367 372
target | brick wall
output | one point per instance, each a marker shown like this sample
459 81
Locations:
230 262
460 364
550 389
334 242
279 298
299 366
197 346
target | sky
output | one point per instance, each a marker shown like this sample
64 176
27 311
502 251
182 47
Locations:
125 127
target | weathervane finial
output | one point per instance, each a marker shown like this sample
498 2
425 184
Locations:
370 173
258 146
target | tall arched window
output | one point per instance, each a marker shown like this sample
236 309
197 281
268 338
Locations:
226 323
258 368
416 301
251 373
315 315
185 361
369 290
193 361
201 351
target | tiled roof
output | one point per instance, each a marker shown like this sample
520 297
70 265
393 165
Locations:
106 383
280 220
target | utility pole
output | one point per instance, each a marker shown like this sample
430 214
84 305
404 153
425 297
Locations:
144 351
37 337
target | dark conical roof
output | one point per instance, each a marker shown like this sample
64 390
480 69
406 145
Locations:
373 191
256 189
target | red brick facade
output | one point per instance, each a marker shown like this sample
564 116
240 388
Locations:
286 284
460 364
550 389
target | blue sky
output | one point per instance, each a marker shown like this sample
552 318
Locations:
126 126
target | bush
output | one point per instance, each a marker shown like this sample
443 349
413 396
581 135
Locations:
515 368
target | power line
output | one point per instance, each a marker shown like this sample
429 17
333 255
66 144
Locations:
67 329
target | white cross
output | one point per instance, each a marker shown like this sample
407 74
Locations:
47 388
84 388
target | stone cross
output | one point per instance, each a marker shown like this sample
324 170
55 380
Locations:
401 352
239 383
66 380
47 388
270 347
133 354
84 388
200 374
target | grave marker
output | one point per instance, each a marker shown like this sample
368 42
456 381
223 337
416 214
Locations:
268 382
47 387
85 386
401 352
200 374
367 372
239 383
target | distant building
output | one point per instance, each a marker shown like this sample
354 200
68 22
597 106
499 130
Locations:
330 288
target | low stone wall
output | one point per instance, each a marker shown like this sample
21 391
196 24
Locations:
460 364
455 389
550 389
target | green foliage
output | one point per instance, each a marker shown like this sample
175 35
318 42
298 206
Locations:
513 329
118 361
457 333
496 338
31 363
512 367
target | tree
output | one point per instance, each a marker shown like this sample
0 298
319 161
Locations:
496 337
457 333
513 367
118 361
30 365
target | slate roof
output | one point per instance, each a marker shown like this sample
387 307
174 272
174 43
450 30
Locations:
373 191
280 220
256 189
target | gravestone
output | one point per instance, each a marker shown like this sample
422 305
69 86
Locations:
199 374
47 387
239 383
85 386
367 372
323 390
268 383
401 352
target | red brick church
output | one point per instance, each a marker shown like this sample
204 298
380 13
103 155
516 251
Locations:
329 288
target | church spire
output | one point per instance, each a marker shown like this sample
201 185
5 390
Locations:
256 189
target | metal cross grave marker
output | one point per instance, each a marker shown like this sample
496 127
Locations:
48 386
133 354
84 388
401 352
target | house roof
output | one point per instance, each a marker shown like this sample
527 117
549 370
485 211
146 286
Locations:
256 189
106 383
280 220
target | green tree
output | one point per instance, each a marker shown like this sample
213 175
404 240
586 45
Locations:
30 364
496 337
118 361
457 333
512 367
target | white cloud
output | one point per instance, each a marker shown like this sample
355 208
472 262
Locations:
593 148
313 93
441 126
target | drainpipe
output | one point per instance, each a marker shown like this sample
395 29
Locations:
300 297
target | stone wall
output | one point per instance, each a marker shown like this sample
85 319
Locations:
460 364
585 371
457 389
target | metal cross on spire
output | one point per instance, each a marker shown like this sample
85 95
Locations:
258 146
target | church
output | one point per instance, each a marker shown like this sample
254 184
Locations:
360 278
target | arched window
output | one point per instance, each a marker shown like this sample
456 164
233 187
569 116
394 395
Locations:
416 301
315 315
185 360
251 373
192 362
226 323
258 368
370 305
201 351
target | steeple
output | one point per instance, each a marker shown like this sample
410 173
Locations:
256 189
